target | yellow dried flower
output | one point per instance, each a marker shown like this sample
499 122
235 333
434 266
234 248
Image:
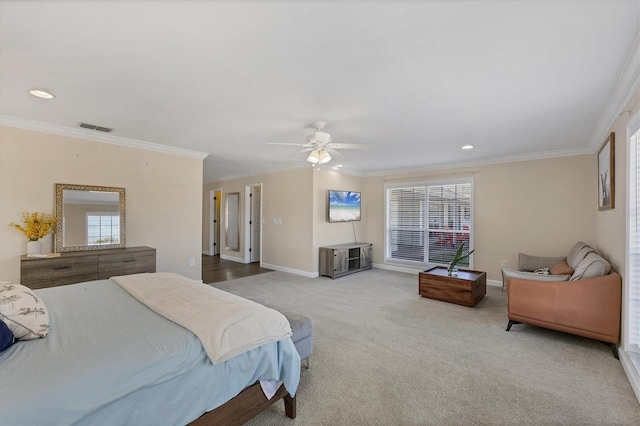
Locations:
37 225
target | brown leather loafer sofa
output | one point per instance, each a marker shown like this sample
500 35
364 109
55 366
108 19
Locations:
582 297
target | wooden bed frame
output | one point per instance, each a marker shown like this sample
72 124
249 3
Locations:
245 406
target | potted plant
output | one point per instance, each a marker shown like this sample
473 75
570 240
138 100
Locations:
460 255
37 225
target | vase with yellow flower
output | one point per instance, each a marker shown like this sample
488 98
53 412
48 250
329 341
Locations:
36 226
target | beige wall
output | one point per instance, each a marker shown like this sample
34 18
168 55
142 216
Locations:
538 207
163 193
325 233
611 224
286 198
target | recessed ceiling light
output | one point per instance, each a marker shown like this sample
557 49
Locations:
467 147
41 94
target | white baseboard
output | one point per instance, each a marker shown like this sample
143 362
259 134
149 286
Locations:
206 252
630 370
494 283
233 259
291 271
396 268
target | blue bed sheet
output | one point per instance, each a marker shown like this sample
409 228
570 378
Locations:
108 359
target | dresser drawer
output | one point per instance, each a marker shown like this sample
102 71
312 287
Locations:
77 267
54 282
52 270
132 262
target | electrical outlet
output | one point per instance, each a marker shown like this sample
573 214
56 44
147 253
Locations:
192 262
503 263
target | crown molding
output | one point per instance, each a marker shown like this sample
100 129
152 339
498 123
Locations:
543 155
628 82
55 129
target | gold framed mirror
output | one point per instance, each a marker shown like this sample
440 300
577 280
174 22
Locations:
89 218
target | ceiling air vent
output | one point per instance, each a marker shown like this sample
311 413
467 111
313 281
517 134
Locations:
94 127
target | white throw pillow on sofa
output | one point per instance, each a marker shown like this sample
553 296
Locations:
23 311
580 256
593 265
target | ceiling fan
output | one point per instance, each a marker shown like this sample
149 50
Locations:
320 145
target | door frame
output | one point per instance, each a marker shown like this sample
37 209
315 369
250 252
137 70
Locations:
247 219
212 217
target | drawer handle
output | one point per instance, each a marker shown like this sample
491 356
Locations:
130 260
62 267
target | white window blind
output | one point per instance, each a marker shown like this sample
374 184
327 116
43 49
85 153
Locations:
406 223
449 221
633 245
427 223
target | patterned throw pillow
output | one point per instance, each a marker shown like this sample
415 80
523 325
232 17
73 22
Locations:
23 311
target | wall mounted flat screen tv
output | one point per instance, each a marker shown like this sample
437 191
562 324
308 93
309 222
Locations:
344 206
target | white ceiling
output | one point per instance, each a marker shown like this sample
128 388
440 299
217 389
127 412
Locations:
417 79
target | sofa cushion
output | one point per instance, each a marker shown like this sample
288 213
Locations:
509 273
593 265
574 250
561 268
580 255
530 263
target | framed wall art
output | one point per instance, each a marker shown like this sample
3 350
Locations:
606 174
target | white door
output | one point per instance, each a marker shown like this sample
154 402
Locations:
255 223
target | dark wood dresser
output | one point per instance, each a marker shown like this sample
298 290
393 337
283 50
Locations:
80 266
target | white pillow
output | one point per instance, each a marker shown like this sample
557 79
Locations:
23 311
593 265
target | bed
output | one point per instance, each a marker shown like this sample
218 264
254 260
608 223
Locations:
109 359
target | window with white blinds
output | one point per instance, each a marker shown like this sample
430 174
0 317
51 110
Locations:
633 246
426 223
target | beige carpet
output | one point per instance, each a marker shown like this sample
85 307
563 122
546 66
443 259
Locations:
385 356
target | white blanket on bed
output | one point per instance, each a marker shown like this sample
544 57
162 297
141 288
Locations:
226 324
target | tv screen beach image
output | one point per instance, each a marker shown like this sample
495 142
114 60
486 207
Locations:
344 206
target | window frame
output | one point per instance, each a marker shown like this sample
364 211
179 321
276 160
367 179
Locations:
630 344
103 214
424 264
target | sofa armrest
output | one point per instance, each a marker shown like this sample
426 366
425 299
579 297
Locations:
508 274
589 307
527 262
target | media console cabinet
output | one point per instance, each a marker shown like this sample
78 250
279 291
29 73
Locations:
343 259
80 266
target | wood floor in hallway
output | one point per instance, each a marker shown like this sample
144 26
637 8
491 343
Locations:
215 269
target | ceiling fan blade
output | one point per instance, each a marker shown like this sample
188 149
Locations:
350 145
291 144
333 152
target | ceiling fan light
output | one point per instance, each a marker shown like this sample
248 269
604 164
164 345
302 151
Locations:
314 157
324 157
